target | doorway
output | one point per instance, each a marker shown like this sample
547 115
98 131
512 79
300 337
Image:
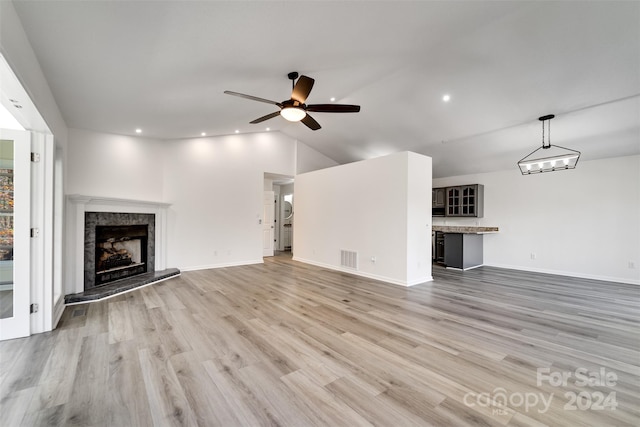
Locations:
27 212
281 210
286 214
15 233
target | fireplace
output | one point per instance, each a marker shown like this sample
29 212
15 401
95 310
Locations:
83 213
121 251
117 246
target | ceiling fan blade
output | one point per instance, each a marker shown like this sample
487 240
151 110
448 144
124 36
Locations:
267 117
302 89
333 108
310 122
253 98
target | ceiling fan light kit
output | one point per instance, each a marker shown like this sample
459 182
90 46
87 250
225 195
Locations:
552 157
293 114
295 109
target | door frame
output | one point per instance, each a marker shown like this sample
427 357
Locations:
19 325
42 208
268 224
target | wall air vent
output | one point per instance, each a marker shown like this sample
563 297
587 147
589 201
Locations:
349 259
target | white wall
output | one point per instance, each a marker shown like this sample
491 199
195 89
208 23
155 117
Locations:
215 187
117 166
308 159
583 222
418 224
17 51
371 207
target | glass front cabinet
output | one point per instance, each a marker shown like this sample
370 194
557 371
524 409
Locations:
464 200
453 201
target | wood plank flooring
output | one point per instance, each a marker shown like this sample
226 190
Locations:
289 344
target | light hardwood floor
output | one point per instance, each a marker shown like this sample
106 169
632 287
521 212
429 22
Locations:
288 344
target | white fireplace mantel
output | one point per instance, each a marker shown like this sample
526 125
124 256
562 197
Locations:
77 205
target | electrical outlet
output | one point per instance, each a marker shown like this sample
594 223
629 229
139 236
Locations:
632 265
533 255
373 259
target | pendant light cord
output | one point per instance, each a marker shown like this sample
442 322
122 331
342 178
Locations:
548 134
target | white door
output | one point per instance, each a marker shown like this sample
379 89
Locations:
15 212
268 223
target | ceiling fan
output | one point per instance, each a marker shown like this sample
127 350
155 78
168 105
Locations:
295 109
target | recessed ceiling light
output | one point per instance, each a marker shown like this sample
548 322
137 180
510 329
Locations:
237 131
333 99
203 134
268 129
446 98
138 130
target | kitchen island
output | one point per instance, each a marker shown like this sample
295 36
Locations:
462 246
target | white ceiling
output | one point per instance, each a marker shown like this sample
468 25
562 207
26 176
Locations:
162 66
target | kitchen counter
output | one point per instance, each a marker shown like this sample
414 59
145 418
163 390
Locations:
464 229
459 247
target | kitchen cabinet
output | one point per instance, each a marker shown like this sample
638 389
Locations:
438 201
463 251
464 201
453 201
438 247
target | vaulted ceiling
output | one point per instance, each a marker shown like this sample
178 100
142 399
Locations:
162 66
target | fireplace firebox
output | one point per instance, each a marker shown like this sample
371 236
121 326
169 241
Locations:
117 245
121 251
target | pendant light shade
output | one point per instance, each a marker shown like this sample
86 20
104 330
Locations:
548 158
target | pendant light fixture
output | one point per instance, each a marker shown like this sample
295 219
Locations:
548 158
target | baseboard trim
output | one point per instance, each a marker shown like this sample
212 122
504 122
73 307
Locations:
58 310
567 274
364 274
222 265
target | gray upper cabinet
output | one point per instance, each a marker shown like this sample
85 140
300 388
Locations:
453 201
438 202
459 201
472 197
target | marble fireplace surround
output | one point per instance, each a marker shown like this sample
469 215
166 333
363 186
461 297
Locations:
78 205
